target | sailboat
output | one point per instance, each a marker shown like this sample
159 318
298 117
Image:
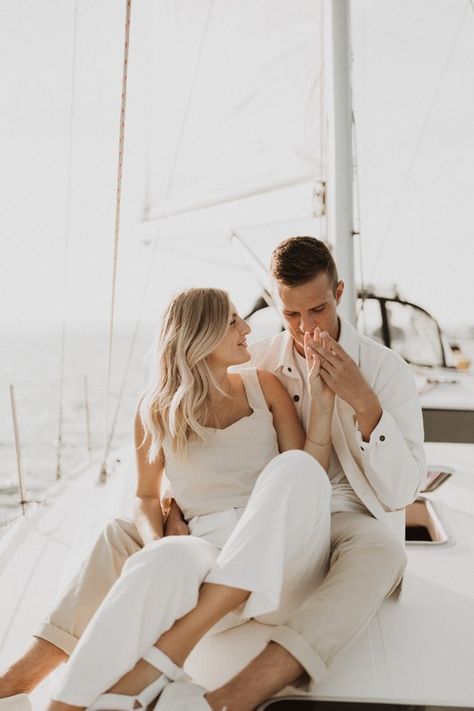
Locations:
230 62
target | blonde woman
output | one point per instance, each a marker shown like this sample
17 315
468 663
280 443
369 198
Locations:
257 508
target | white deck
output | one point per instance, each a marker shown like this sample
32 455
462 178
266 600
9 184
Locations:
418 649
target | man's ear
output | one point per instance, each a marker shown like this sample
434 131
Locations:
339 291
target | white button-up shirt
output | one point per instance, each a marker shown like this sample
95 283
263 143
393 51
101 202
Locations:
387 472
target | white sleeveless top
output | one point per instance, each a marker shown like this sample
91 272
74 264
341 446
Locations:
220 473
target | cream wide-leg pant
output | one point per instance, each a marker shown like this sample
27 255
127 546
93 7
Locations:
366 565
278 550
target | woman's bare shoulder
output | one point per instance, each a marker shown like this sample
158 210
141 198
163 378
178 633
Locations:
271 387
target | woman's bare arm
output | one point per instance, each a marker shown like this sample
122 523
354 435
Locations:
148 514
290 433
289 430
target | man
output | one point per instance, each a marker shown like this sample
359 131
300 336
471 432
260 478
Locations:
377 467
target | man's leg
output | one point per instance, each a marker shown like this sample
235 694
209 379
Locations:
268 673
367 564
58 636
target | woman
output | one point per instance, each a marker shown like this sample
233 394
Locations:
228 443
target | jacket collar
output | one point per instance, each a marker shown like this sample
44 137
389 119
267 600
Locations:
349 339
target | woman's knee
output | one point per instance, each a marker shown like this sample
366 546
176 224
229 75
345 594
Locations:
299 471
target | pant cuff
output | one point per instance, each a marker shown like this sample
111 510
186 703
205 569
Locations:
58 637
301 650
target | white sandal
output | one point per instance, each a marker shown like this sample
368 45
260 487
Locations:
120 702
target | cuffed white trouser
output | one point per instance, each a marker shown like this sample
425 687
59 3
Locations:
278 549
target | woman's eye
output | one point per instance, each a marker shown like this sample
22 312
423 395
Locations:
232 323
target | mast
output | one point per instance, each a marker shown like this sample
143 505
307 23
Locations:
340 161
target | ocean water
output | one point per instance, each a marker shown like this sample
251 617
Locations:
31 362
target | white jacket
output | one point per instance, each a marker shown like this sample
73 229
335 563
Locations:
387 472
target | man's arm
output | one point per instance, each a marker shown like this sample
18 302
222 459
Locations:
389 423
393 457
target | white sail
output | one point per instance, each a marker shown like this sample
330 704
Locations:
233 93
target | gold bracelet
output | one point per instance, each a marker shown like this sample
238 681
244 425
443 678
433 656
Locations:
319 444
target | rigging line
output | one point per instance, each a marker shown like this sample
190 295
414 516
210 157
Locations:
151 263
19 463
188 105
108 436
418 143
103 471
66 247
357 202
322 129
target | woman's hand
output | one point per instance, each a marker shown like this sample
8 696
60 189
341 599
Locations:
175 525
318 389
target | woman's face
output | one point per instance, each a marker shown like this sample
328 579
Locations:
232 349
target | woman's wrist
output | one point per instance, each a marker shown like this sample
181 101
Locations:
324 443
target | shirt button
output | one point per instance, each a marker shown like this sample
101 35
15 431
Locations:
289 369
362 448
296 398
382 438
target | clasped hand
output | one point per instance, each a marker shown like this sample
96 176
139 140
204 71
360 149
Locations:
331 371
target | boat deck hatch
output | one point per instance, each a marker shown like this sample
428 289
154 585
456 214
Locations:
423 524
295 703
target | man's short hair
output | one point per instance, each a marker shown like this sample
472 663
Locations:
297 260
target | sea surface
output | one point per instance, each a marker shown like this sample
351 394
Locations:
31 362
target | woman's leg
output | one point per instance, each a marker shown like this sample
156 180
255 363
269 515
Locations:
290 507
214 602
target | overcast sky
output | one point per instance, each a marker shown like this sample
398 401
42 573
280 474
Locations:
414 109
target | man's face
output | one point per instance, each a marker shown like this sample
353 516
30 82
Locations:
309 305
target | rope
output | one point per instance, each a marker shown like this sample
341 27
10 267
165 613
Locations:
19 465
66 250
418 142
103 471
358 231
151 262
155 243
322 131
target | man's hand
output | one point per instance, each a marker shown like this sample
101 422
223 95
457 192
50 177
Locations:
343 376
319 390
175 525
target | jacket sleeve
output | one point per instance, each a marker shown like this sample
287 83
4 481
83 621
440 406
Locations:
394 459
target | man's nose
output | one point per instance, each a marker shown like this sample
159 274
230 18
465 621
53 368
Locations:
308 323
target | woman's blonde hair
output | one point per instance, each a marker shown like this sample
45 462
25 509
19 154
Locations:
175 404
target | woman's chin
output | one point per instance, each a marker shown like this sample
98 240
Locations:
244 357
